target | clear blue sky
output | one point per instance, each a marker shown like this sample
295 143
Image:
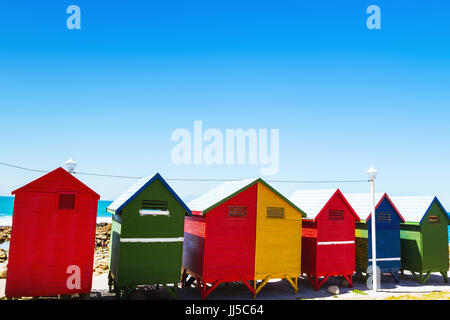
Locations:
343 97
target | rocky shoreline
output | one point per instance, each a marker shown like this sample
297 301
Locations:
101 255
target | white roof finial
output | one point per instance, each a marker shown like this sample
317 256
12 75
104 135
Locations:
70 165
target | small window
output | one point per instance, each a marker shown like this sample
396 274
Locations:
275 212
434 219
334 214
66 202
237 211
154 208
383 217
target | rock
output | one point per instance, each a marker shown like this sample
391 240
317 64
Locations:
103 265
344 283
3 271
3 255
333 290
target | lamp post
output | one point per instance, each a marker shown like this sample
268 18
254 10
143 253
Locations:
372 172
70 165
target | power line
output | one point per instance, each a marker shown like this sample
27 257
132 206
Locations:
185 179
22 168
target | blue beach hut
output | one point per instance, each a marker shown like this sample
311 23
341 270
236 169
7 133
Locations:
387 224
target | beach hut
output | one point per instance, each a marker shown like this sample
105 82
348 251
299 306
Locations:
424 236
146 237
387 225
52 237
328 235
242 231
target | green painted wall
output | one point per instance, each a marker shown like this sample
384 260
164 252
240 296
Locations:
435 240
141 263
361 246
411 246
425 246
114 244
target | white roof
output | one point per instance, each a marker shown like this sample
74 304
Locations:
217 194
131 191
412 208
362 202
312 201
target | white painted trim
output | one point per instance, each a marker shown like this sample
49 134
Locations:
180 239
327 243
387 259
148 212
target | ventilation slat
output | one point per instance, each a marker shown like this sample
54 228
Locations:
434 219
383 217
275 212
237 211
66 202
335 214
155 205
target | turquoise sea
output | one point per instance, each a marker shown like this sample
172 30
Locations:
7 205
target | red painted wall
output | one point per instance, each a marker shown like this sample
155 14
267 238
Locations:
309 246
227 250
46 241
194 244
334 259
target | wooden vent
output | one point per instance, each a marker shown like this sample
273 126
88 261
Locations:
237 211
275 212
155 205
383 217
434 219
334 214
66 202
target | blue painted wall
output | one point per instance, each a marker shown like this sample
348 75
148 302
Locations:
387 236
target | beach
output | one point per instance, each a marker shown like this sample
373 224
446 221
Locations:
407 289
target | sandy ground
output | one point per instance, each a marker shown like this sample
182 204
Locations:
408 288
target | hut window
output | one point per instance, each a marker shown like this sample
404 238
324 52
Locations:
275 212
237 211
383 217
434 219
334 214
154 208
66 202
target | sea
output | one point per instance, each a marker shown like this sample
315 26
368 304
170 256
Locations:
7 205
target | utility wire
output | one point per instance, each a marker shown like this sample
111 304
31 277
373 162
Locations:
187 179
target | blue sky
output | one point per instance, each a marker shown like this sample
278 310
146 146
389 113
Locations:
343 97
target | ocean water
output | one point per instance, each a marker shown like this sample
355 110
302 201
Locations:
7 206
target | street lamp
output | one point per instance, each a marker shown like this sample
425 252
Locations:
70 165
372 172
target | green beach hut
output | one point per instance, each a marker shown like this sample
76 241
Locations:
424 236
146 237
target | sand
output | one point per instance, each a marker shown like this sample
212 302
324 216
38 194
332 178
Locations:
408 288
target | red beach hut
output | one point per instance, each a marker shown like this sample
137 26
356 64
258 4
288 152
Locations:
328 235
52 237
220 236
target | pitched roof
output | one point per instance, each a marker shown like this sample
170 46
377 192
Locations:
362 203
63 174
218 194
413 208
313 201
226 190
133 191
